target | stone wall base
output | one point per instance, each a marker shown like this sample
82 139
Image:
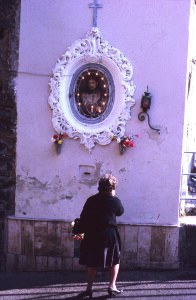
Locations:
44 245
187 246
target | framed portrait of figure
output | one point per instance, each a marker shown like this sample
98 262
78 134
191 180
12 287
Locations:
92 93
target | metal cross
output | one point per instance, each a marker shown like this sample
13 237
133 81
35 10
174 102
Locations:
95 5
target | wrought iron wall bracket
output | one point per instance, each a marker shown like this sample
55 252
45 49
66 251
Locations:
141 117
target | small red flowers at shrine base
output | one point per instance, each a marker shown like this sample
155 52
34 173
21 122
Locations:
57 139
125 141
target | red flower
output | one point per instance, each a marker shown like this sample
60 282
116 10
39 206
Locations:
64 135
55 136
132 144
127 143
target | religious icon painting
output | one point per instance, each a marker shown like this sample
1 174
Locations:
91 91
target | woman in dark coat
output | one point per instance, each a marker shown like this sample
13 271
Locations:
102 244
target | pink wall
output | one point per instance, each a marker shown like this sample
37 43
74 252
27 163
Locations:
153 35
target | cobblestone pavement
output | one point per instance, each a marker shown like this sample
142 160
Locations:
136 284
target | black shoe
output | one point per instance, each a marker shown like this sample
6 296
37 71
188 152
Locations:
113 292
88 293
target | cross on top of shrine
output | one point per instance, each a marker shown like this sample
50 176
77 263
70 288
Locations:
95 5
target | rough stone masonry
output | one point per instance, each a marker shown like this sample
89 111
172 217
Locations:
9 48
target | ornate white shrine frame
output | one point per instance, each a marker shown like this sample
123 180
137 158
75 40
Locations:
93 49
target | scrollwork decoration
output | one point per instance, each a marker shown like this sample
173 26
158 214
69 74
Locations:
141 117
92 49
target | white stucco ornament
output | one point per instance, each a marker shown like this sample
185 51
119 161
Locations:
94 51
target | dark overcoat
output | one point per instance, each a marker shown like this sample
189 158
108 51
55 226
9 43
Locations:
99 213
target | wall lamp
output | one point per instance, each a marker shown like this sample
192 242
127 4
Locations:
145 105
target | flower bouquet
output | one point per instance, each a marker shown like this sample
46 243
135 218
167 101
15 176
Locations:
57 139
76 236
125 142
